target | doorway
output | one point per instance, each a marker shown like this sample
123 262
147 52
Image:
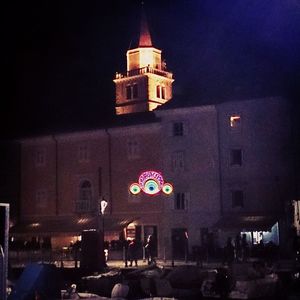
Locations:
179 243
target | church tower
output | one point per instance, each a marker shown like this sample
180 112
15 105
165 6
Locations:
146 84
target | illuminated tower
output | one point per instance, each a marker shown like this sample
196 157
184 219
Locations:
146 84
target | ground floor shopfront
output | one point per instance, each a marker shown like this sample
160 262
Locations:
173 240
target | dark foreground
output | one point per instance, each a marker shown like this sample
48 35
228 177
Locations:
185 282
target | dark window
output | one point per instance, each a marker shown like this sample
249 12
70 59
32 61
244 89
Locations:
178 129
133 149
236 157
135 90
41 199
237 198
178 161
83 153
158 91
163 92
40 157
128 92
180 201
85 197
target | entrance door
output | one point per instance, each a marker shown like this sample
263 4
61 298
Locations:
179 243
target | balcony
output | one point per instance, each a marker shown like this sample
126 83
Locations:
83 206
142 71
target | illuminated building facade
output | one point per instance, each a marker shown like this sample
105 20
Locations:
146 84
228 164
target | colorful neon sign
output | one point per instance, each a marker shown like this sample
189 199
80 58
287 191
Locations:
151 183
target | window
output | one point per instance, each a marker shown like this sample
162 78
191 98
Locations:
163 92
41 198
132 91
237 197
135 90
40 157
84 202
181 201
178 161
158 91
236 157
128 92
178 129
235 121
133 149
83 153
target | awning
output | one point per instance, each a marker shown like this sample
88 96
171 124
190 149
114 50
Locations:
64 226
246 222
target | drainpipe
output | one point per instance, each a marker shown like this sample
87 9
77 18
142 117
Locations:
56 174
220 163
110 198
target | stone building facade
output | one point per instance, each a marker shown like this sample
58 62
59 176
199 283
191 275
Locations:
229 164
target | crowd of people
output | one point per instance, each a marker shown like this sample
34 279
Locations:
132 248
237 250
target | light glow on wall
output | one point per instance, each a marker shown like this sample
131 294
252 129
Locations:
151 183
134 189
167 188
235 120
147 57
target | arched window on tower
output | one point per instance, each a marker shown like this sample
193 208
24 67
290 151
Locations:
128 92
132 91
163 92
158 91
135 90
84 202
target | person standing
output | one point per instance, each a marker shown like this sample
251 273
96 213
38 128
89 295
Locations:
132 252
245 248
238 247
228 252
150 250
126 248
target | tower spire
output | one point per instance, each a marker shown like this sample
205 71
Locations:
145 37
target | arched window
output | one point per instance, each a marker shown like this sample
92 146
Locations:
84 201
158 91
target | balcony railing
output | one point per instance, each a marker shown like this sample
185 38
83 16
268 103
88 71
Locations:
144 70
83 206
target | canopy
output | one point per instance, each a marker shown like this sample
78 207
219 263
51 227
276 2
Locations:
247 222
69 225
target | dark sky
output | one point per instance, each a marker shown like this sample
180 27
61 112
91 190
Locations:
59 57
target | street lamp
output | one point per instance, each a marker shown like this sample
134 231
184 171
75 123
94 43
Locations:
103 204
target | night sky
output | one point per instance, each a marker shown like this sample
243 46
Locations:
59 57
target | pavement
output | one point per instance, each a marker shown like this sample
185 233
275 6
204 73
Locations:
143 263
164 263
210 264
69 271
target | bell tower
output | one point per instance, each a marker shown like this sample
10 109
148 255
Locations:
146 84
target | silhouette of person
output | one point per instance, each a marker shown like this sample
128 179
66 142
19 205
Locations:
228 252
132 252
245 248
126 254
150 250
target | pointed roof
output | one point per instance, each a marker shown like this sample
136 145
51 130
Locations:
145 37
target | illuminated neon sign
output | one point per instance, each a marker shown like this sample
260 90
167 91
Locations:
151 183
